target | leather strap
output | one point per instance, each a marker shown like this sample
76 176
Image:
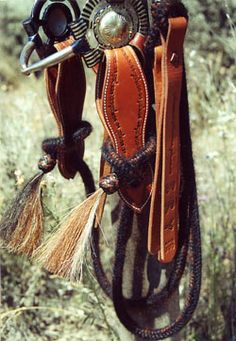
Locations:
155 208
66 86
139 42
123 104
105 170
164 212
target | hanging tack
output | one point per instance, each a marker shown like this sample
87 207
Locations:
63 253
110 183
47 163
21 227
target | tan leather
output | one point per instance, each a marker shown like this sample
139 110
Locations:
123 104
138 41
164 212
105 170
66 86
155 208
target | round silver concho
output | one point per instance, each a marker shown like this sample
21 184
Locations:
114 28
109 25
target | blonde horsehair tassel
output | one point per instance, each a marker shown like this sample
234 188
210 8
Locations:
63 253
21 227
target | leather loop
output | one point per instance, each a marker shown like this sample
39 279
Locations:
164 213
139 42
66 86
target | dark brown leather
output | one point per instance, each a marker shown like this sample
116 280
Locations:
164 212
123 104
66 87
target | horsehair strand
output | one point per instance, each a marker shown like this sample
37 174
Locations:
64 251
77 263
22 226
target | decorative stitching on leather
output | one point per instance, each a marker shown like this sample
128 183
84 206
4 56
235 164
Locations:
108 76
143 100
146 92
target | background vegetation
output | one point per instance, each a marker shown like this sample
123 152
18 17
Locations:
36 306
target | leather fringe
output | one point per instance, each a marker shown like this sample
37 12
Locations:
63 253
21 227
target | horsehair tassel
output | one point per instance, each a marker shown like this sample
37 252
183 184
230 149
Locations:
21 227
63 253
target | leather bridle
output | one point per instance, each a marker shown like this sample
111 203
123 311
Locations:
141 98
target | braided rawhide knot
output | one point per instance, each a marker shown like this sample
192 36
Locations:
47 163
110 184
55 145
161 11
126 171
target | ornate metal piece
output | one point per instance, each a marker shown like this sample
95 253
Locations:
56 58
114 29
114 26
110 25
102 25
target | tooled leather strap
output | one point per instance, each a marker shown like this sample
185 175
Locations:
123 104
164 212
66 86
105 168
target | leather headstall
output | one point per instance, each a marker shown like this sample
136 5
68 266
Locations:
136 49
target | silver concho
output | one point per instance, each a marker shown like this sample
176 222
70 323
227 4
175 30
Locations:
114 29
109 25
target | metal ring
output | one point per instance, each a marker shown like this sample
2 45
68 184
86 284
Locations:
25 55
79 47
51 60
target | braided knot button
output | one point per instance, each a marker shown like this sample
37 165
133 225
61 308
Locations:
110 183
47 163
